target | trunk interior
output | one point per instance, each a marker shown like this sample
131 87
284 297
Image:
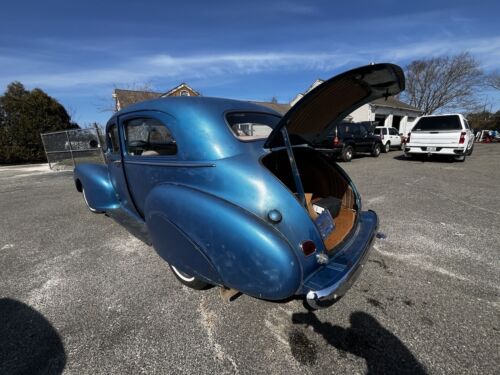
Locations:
320 179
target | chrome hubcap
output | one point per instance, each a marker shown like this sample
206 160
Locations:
182 275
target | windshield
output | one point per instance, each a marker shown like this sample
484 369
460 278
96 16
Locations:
250 126
437 123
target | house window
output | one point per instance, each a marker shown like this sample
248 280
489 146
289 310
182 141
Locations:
185 93
149 137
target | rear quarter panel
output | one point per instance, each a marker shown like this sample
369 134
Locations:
221 243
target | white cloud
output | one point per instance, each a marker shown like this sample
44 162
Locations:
207 66
202 66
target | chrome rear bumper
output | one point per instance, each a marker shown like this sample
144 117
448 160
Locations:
341 272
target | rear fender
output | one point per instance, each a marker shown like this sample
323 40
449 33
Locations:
212 239
99 190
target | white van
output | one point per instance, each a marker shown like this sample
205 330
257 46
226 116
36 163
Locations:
441 135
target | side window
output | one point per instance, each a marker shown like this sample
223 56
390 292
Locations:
113 139
393 131
466 124
362 132
353 130
148 137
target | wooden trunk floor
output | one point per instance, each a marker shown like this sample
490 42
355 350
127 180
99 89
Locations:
343 224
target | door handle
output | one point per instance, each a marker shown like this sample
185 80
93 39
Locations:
118 163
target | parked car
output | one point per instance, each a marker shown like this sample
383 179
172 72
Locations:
390 138
348 139
230 193
448 135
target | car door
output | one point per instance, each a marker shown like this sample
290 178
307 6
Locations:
149 153
394 137
114 160
364 143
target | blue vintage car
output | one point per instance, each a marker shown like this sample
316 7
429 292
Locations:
230 193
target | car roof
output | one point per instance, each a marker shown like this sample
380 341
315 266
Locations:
178 105
444 114
190 117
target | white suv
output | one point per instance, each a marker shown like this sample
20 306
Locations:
390 137
441 135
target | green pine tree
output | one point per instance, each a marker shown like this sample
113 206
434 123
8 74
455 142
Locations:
23 116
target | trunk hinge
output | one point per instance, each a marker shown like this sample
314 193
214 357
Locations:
295 169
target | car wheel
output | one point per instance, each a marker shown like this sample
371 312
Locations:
470 151
188 280
387 147
376 150
91 209
347 153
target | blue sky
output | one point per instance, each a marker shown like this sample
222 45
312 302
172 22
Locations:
79 51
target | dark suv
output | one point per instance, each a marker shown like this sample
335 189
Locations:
348 139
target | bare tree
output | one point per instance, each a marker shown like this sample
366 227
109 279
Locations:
444 82
493 79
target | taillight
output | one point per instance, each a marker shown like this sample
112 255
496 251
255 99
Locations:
462 138
308 247
382 136
336 141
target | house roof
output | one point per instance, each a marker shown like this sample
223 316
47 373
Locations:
392 102
281 108
128 97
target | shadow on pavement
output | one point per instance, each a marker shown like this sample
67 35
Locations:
366 338
28 342
424 158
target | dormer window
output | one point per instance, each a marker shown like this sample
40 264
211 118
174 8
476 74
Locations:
184 93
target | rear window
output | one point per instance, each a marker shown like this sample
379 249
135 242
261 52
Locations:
437 123
248 126
348 129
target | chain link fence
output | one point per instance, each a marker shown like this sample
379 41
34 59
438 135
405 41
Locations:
68 148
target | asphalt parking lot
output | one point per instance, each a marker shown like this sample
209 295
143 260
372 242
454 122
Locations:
79 295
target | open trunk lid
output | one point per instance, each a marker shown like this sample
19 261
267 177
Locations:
318 111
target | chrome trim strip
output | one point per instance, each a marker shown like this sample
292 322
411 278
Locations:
172 164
